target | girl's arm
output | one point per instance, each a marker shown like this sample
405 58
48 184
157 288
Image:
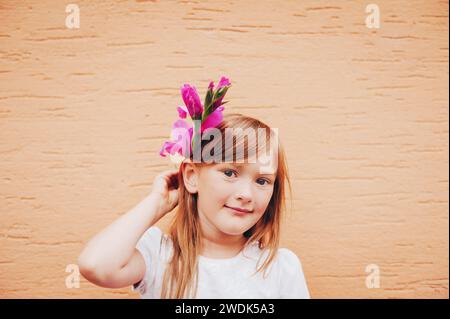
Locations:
110 258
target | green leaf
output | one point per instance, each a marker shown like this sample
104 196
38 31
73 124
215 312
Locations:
222 91
208 98
211 98
207 104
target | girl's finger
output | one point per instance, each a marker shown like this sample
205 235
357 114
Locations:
173 181
171 177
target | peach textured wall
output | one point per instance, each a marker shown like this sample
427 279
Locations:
363 114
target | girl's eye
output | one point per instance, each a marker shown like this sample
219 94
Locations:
229 172
263 180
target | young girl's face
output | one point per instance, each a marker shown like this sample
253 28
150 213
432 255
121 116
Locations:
224 186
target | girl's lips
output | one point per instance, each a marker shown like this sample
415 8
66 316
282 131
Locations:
240 210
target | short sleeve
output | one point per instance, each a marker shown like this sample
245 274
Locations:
149 245
292 280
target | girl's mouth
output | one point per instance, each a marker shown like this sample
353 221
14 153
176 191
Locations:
239 211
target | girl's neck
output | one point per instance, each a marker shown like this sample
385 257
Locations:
216 244
222 248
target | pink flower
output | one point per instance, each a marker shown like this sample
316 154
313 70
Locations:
214 119
181 137
192 101
182 132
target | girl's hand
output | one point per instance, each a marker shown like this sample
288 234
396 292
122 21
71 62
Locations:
165 189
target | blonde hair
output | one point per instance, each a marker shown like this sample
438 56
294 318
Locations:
181 275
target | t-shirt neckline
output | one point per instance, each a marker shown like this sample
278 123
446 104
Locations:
225 260
220 260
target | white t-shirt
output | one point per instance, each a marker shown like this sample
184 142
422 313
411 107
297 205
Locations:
224 278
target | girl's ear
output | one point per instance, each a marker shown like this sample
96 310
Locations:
190 177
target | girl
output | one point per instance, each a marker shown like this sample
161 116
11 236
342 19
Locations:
223 240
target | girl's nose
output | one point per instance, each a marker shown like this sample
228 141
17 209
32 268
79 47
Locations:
244 191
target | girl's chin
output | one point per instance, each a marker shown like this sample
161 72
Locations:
233 232
232 228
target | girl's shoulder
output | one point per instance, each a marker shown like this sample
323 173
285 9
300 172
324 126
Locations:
291 275
288 255
285 259
288 260
283 254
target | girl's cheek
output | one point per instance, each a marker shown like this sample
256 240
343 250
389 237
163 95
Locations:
217 188
224 192
263 201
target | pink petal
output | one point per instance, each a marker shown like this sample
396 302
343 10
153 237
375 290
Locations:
166 148
181 112
182 135
181 123
192 101
223 82
214 119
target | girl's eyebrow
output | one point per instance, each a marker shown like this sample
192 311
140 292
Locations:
239 165
269 174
